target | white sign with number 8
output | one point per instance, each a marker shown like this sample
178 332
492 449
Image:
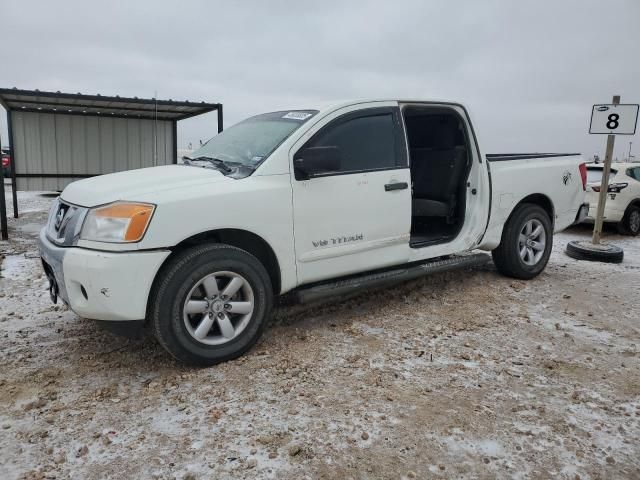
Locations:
612 119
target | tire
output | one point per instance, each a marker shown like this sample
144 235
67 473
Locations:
187 282
630 224
507 257
581 250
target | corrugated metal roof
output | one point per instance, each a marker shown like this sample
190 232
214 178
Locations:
101 105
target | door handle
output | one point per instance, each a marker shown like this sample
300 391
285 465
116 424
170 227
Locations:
396 186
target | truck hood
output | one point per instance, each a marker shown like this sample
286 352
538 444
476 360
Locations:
134 183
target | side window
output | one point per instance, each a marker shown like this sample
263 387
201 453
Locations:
366 141
635 173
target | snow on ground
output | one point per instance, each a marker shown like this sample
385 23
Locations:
458 375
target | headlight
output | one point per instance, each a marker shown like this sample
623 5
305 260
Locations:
117 222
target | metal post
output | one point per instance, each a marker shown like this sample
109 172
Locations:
604 184
12 152
155 131
174 144
3 205
219 117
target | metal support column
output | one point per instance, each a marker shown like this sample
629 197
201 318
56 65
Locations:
219 117
12 151
174 132
3 205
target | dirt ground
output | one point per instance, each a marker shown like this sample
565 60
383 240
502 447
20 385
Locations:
460 375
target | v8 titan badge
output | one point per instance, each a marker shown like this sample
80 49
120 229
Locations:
612 119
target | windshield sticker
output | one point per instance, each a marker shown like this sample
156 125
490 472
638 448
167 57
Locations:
256 159
297 115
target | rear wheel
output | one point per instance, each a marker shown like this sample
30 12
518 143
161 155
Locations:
630 224
527 239
210 304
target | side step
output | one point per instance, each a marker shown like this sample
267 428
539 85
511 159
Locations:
388 277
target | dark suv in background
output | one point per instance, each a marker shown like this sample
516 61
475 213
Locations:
6 161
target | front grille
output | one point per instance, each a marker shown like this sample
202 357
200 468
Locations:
65 222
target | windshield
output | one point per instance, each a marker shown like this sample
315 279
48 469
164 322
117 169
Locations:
251 141
594 175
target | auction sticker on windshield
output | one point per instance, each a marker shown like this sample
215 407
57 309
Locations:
297 115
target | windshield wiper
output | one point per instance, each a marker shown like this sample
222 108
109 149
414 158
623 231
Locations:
215 161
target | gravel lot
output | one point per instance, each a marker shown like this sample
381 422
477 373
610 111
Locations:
459 375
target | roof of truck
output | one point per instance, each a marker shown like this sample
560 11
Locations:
346 102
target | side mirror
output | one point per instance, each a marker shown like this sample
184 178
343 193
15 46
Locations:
312 161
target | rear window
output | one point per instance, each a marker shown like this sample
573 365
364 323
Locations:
594 175
634 173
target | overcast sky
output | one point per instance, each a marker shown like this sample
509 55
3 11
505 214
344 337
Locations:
528 71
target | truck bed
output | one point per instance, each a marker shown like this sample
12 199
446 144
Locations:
502 157
550 179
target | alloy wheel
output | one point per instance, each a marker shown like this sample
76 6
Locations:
634 221
532 242
218 308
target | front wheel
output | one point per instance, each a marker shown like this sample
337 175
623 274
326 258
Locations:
210 304
526 243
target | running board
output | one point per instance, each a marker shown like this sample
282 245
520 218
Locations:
389 277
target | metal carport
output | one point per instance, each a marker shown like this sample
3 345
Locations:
56 137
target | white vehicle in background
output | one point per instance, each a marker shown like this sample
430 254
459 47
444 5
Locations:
623 195
184 152
310 203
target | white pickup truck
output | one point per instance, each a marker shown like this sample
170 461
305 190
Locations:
309 203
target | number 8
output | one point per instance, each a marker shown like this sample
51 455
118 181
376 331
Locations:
612 123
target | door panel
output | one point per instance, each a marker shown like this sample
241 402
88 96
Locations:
359 218
350 223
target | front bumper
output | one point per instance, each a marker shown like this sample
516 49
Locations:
102 285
